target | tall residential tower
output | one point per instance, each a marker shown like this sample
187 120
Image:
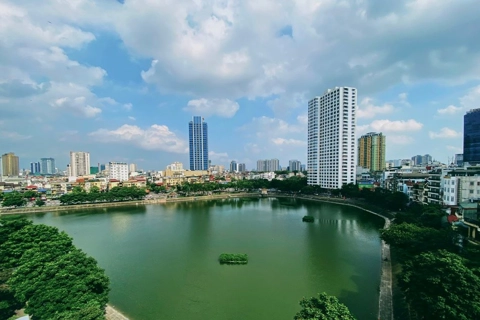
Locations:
331 147
471 137
198 143
371 151
79 164
10 164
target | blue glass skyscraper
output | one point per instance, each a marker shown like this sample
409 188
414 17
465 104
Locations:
198 143
471 137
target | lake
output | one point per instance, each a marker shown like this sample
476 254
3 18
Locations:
162 260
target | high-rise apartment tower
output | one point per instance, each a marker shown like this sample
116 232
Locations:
471 137
331 143
10 164
47 166
198 143
79 164
371 151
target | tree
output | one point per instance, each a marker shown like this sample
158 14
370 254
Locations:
39 202
438 285
323 308
13 199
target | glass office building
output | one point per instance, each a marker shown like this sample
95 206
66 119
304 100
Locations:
198 143
471 137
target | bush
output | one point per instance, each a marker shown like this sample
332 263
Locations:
308 219
233 258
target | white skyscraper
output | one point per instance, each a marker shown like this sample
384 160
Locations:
118 171
331 154
79 164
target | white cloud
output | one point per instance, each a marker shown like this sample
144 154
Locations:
400 139
77 106
156 137
15 136
367 109
444 133
206 107
403 98
286 103
396 126
471 99
131 118
451 109
128 106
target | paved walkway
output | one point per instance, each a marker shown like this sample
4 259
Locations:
112 314
385 301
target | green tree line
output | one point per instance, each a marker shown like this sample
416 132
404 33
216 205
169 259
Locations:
42 271
79 195
439 278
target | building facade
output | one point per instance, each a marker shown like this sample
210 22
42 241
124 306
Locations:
10 164
294 165
35 167
233 166
371 151
471 137
242 167
268 165
132 167
198 143
331 143
118 171
47 165
79 164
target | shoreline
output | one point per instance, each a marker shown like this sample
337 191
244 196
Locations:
385 310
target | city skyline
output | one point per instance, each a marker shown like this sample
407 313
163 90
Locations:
111 86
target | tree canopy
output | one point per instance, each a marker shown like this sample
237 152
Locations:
43 271
323 307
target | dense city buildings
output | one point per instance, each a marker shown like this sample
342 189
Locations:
294 165
420 160
371 151
471 137
47 166
118 171
132 167
79 164
268 165
331 143
198 143
10 164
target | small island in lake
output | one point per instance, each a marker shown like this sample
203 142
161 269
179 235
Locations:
233 258
308 219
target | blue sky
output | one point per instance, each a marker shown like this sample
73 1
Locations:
121 79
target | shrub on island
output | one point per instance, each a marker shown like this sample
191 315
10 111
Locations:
233 258
308 219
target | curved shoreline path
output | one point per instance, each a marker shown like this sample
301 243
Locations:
112 314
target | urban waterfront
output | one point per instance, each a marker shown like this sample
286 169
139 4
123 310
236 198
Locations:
162 259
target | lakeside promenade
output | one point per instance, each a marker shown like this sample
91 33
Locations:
385 310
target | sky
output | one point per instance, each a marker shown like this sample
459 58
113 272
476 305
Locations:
122 79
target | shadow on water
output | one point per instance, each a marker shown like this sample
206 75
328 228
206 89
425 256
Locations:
126 210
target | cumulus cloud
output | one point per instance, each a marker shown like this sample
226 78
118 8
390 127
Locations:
293 142
156 137
367 109
444 133
206 107
219 157
470 100
451 109
395 126
77 106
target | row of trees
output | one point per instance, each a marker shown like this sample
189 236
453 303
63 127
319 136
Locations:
440 279
79 195
18 199
42 271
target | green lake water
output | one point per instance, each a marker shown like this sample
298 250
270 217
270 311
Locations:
162 260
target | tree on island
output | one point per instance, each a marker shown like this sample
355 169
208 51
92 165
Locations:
323 307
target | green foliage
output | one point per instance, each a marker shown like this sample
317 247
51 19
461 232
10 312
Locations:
115 194
28 194
323 307
13 199
40 202
233 258
410 239
8 302
438 285
52 278
308 219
